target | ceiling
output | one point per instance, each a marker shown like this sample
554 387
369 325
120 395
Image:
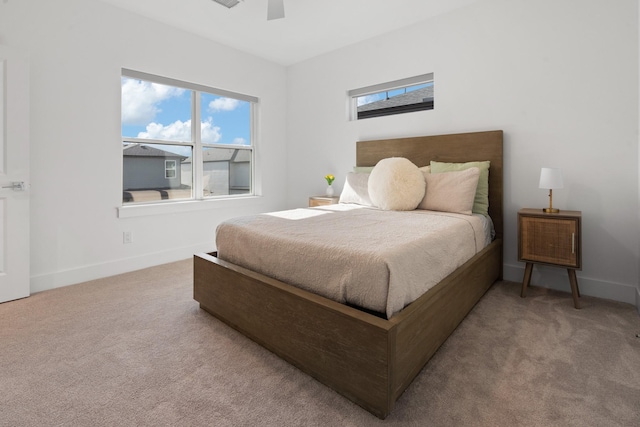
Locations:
310 27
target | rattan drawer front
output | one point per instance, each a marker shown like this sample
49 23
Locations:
549 240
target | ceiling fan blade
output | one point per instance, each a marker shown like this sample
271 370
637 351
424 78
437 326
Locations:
275 9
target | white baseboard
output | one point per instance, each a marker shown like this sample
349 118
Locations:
557 278
73 276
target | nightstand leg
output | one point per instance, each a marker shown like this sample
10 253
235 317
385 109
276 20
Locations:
527 278
575 291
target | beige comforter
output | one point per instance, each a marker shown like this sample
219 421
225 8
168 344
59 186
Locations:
379 260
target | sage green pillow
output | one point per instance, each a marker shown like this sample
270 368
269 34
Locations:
362 169
481 200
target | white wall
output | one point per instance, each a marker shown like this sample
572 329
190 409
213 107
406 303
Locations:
561 80
77 49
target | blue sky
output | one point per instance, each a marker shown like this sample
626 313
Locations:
155 111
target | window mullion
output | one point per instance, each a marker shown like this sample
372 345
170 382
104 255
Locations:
131 140
254 153
197 155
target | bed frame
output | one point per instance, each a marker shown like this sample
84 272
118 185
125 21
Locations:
369 360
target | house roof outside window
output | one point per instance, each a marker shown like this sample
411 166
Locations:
140 150
232 155
414 97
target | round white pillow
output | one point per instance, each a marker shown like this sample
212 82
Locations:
396 184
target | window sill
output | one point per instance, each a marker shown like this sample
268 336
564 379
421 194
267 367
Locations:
165 208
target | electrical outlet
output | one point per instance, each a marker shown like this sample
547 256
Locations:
126 237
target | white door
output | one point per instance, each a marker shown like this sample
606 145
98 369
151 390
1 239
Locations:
14 175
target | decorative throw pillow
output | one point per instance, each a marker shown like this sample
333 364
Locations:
355 189
451 191
396 184
481 201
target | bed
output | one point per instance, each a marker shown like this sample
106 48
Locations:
366 358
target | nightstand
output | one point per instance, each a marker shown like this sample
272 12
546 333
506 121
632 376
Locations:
323 200
550 239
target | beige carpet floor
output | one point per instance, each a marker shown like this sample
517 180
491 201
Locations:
136 350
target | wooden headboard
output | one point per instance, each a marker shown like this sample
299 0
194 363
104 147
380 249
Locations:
462 147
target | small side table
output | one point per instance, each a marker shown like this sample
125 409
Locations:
323 200
551 239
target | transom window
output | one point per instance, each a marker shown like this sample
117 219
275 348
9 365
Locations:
397 97
184 141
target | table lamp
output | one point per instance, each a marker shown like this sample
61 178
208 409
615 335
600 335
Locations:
550 178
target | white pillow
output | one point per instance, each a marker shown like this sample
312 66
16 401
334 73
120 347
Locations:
355 189
451 191
396 184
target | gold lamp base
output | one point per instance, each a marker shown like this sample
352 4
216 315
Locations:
550 209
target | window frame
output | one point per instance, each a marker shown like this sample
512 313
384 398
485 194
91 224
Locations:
354 94
196 143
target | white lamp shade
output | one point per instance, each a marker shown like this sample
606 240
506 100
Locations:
551 178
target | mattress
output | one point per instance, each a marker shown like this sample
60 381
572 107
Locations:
370 258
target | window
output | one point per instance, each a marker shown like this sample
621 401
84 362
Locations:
397 97
184 141
169 169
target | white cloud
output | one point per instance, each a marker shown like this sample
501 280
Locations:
176 131
223 104
140 100
181 131
210 133
240 141
367 99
